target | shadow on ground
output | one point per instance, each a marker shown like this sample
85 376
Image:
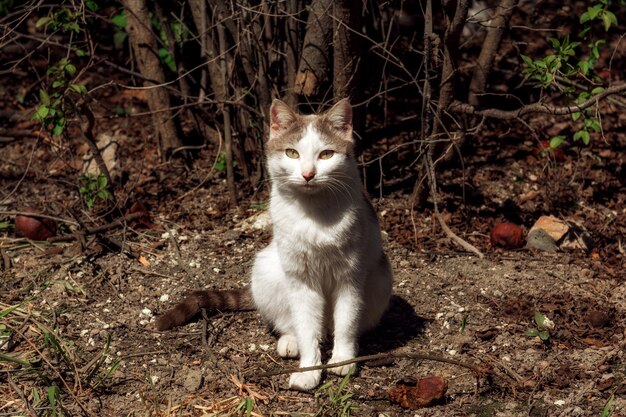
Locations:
398 326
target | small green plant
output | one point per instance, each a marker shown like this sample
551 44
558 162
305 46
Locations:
94 188
53 107
541 329
245 406
609 407
220 164
570 61
335 401
56 104
463 323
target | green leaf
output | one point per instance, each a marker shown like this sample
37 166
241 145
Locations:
555 43
52 392
527 60
585 17
5 225
42 22
540 320
608 19
102 182
81 52
595 125
70 69
73 26
576 116
594 11
12 359
120 19
79 88
583 135
544 335
57 130
167 59
44 98
42 112
532 332
556 141
91 5
119 38
609 408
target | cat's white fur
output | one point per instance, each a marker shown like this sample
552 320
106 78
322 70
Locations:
324 270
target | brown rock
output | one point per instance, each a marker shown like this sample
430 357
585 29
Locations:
552 226
423 393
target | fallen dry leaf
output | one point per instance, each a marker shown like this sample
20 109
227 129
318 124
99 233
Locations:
425 392
143 261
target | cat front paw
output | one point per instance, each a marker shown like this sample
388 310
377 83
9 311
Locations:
305 381
341 370
287 346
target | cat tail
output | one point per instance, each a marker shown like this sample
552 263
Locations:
227 300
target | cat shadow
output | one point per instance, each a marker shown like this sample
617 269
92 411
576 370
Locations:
399 325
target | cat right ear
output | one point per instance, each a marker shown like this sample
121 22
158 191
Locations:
281 116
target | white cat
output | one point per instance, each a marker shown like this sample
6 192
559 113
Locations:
324 271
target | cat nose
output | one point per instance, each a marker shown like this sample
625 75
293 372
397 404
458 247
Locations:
308 175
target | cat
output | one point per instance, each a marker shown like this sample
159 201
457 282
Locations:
325 270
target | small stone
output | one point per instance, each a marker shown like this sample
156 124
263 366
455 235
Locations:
540 239
193 380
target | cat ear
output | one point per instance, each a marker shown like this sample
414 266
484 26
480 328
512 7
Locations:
340 117
281 116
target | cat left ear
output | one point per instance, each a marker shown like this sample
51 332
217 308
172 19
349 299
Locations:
281 116
340 117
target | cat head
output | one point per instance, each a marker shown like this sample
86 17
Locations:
310 153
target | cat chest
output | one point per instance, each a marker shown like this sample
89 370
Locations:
316 254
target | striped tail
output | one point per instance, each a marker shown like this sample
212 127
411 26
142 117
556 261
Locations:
183 312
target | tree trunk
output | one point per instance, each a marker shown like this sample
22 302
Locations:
144 46
347 57
315 62
489 50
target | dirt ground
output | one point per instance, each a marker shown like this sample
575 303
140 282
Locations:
99 304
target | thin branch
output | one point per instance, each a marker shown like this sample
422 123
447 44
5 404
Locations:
465 108
478 370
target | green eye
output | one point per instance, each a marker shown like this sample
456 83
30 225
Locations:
327 154
292 153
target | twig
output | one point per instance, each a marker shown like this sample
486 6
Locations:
459 241
43 216
5 259
99 229
87 130
19 392
478 370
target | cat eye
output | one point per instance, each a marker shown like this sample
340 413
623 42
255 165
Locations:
292 153
327 154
